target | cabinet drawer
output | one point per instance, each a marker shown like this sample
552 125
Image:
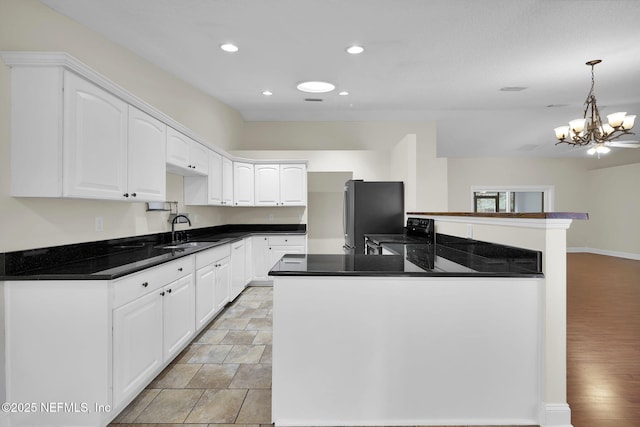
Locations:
138 284
287 240
211 255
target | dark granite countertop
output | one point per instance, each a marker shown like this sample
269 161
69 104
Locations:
516 215
450 257
110 259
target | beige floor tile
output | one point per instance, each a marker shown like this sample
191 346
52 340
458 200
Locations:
239 337
219 406
256 313
259 325
206 353
213 376
267 355
211 336
135 408
250 304
245 354
252 376
237 324
256 408
175 375
170 406
233 313
263 337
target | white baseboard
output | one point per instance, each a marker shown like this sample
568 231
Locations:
618 254
555 415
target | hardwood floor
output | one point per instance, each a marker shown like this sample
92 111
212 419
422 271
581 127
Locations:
603 341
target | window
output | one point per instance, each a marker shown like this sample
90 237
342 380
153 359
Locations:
512 199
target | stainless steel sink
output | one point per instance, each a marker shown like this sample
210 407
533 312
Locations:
188 245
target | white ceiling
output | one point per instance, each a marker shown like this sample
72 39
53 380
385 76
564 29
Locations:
443 60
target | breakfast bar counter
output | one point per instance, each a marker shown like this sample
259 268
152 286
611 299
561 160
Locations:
375 344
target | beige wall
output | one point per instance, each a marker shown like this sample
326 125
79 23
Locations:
614 210
27 223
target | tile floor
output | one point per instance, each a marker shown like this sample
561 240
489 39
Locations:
222 377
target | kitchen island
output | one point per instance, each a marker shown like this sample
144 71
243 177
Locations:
364 340
374 343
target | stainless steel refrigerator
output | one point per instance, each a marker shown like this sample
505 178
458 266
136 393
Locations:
371 207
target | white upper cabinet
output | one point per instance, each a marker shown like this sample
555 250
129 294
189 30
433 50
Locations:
281 185
147 174
74 133
186 156
227 182
216 189
293 184
267 185
95 141
214 193
73 138
242 184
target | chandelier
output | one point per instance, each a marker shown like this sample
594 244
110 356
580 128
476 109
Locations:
589 130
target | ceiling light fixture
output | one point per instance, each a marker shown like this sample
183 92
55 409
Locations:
343 93
315 87
267 93
355 49
229 47
589 130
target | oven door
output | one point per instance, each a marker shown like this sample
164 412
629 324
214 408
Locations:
372 248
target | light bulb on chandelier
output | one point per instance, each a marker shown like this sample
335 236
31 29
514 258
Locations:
590 130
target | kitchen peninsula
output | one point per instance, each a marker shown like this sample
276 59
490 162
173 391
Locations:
364 340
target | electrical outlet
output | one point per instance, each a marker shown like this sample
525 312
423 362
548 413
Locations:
270 217
469 231
99 223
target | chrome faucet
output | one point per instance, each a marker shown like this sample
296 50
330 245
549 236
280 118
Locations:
173 226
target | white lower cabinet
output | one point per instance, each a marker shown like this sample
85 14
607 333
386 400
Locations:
268 249
212 283
238 261
137 345
152 321
178 307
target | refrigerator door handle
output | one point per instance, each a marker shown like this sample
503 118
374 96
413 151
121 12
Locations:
344 212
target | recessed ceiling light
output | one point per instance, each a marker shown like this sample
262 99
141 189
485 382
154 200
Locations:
343 93
228 47
267 93
315 87
355 49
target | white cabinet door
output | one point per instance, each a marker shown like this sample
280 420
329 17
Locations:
223 283
267 185
199 158
147 171
215 178
178 300
293 184
185 156
260 256
238 261
227 182
177 149
95 141
242 184
248 259
205 295
137 345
